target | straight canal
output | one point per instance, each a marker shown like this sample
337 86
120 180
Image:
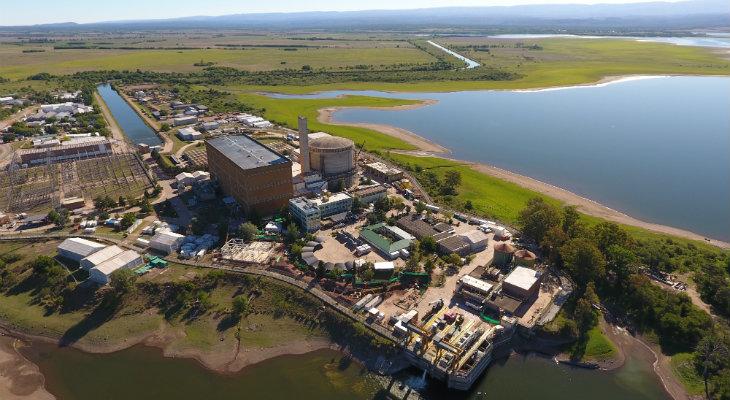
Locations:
128 120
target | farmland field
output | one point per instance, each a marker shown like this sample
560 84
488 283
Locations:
18 64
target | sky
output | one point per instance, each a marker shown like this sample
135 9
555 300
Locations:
29 12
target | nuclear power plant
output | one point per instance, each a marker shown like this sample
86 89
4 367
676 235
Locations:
330 156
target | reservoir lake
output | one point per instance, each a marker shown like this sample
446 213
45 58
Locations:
128 120
657 149
143 373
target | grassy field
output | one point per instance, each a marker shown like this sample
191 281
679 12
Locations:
285 112
18 65
684 369
210 332
598 346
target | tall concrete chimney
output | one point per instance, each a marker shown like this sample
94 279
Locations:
303 144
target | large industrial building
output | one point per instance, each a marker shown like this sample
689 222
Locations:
259 178
75 249
80 148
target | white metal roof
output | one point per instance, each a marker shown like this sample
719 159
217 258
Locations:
166 237
103 255
522 277
400 232
475 236
80 246
121 260
476 283
382 266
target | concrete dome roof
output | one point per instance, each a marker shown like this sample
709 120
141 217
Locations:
331 142
504 248
525 254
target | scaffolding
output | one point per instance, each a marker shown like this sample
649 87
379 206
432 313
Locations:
254 253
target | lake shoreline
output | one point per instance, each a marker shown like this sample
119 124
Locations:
162 339
427 148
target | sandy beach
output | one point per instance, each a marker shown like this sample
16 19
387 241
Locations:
20 379
427 148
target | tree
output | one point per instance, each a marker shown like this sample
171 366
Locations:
607 234
128 220
145 207
247 231
622 262
397 204
356 204
570 219
711 356
368 274
428 266
585 316
382 205
164 127
420 207
413 263
292 232
58 217
104 203
537 218
122 201
468 205
452 180
453 259
554 239
123 281
240 305
583 260
428 245
42 264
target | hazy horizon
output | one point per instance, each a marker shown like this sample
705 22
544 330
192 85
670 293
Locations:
52 12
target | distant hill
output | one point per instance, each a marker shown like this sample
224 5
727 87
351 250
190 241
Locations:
654 15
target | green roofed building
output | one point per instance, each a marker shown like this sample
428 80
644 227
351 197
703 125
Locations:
388 240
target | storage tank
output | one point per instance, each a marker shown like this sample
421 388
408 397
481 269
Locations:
333 157
503 253
524 258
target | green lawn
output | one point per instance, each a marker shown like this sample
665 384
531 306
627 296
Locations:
492 197
285 112
684 369
598 347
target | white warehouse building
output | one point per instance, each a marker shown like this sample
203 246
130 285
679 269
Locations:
99 257
128 259
166 242
76 249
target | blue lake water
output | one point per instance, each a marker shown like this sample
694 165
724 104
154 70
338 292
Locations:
657 149
129 121
718 40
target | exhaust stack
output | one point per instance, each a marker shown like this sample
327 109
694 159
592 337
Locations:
303 144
